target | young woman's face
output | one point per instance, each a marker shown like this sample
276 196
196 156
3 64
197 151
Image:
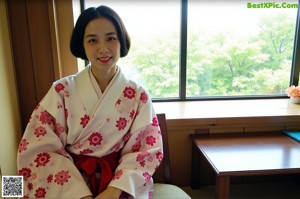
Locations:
101 44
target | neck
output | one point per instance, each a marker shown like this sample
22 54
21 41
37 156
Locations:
103 78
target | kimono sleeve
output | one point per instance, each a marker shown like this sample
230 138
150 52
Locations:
141 155
47 168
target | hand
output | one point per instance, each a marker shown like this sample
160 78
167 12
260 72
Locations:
110 193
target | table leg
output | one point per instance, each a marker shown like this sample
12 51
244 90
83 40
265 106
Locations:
222 187
195 170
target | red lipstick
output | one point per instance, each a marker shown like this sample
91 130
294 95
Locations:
104 60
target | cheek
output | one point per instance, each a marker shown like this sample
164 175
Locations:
85 49
89 51
117 48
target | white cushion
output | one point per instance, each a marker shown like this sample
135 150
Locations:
168 191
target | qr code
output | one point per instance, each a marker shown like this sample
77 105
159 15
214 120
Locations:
12 186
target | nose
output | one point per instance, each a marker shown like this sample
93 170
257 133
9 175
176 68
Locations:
102 48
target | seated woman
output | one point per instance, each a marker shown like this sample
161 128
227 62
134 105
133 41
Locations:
95 133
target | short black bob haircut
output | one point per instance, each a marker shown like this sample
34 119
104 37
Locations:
76 44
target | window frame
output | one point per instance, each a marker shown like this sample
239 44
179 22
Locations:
295 69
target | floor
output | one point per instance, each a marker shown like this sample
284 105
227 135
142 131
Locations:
281 190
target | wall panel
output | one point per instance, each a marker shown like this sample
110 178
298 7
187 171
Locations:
32 52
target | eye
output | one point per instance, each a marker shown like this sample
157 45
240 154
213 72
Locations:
92 41
112 38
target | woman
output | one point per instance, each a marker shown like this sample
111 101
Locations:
95 133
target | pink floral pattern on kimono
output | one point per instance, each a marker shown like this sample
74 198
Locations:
74 117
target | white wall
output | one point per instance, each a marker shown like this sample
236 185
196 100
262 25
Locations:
9 112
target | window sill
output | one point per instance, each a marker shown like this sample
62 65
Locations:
213 113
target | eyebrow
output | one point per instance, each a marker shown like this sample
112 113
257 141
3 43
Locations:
106 34
111 33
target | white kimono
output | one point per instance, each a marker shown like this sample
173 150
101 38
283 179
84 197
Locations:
75 117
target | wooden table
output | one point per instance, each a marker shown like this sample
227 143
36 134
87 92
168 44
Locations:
244 155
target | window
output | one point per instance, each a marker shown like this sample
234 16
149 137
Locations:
236 50
153 57
197 49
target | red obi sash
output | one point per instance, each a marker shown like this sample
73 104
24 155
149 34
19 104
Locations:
91 165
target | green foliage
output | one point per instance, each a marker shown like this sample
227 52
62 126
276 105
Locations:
222 65
157 63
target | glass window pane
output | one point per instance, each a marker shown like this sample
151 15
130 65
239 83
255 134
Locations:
153 59
235 50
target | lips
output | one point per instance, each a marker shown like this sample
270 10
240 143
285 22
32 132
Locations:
104 60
